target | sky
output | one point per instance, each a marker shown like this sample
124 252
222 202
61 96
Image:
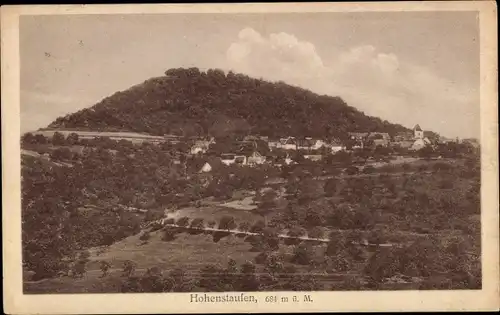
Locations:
405 67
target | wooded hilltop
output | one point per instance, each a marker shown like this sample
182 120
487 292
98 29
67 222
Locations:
191 102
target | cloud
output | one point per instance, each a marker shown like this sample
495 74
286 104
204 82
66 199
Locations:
378 83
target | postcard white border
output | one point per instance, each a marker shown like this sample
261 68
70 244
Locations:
17 303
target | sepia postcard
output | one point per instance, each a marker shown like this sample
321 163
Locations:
249 158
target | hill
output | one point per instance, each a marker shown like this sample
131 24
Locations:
191 102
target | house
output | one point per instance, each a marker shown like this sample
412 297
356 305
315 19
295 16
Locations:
379 135
471 141
272 144
318 144
250 138
446 140
380 142
201 146
230 158
361 136
256 159
289 143
405 144
420 143
206 168
420 140
336 146
289 161
403 136
313 157
418 132
304 144
379 138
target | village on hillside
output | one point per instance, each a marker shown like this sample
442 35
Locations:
254 150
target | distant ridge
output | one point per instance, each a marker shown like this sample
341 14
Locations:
190 102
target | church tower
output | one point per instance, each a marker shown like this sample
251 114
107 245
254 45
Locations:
418 132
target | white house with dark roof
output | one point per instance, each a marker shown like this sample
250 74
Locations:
289 143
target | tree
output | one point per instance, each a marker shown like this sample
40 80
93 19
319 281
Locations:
314 218
183 222
61 154
267 204
274 264
197 223
368 169
352 170
40 139
211 278
227 223
145 237
296 232
244 226
303 254
104 266
168 235
316 232
72 138
330 187
271 238
28 138
152 281
258 227
80 268
58 138
248 280
129 268
211 224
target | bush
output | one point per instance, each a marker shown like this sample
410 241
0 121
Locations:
227 223
244 226
258 227
406 167
352 170
303 254
315 232
441 166
197 223
61 154
170 221
261 258
129 268
368 169
183 222
145 236
168 235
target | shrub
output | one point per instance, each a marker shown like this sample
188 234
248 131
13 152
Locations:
244 226
170 221
258 227
168 235
183 222
368 169
129 268
227 223
303 254
352 170
145 236
197 223
315 232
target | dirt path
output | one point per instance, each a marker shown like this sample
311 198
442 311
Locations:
281 236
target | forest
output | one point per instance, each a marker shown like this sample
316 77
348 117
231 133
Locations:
190 102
